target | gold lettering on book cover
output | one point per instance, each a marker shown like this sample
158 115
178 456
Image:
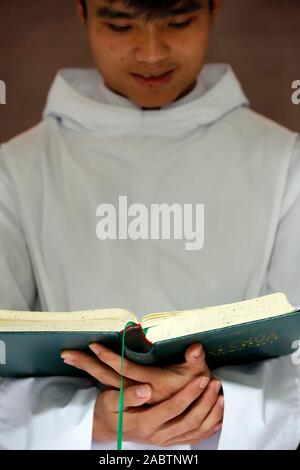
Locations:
241 345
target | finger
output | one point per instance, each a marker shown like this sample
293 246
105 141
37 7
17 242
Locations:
214 418
191 421
94 367
195 363
130 370
169 409
204 405
194 353
133 396
210 426
192 440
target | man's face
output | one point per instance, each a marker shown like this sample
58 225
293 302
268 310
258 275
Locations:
152 63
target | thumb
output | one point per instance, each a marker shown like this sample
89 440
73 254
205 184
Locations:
194 353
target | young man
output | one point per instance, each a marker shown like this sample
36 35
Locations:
156 125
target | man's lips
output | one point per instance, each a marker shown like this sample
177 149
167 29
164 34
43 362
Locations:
152 74
154 79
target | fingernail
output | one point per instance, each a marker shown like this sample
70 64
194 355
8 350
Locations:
221 402
198 353
203 382
218 427
95 348
144 391
68 358
218 386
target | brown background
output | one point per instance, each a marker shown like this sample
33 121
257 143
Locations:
260 38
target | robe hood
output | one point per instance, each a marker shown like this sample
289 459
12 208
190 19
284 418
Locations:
71 101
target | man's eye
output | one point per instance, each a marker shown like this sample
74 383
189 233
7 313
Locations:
119 29
181 25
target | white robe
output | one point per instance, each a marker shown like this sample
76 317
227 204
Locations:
94 146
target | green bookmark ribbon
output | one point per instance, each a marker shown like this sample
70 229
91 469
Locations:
121 399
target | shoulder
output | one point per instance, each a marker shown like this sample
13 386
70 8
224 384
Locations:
292 187
27 143
25 158
258 124
285 148
259 137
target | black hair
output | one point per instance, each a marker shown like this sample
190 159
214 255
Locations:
149 8
84 6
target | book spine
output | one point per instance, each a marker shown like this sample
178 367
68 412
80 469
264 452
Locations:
137 346
145 358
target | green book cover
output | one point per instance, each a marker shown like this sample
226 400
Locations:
37 353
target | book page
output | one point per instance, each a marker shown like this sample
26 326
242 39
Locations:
112 319
180 323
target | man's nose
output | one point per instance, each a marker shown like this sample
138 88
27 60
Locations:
151 48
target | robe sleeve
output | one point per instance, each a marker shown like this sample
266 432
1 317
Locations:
262 400
35 413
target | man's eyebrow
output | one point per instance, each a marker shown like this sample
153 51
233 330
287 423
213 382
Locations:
185 9
112 14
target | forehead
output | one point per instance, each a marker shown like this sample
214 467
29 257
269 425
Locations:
147 9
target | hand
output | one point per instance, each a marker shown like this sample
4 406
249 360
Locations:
164 382
190 416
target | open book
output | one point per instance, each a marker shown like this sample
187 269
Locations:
242 332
